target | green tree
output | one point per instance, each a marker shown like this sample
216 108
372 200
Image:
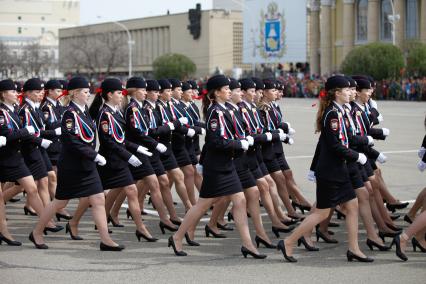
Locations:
379 60
173 66
416 60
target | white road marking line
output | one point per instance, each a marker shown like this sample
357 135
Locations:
384 152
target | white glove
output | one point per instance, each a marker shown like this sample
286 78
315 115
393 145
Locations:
161 148
268 136
100 160
2 141
45 143
144 151
421 166
311 176
250 140
283 136
421 152
244 144
291 131
280 130
373 104
370 141
362 159
30 129
203 131
191 132
380 118
386 131
134 161
381 158
58 131
183 120
288 125
290 141
171 125
199 168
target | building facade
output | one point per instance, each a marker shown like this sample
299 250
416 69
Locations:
337 26
29 29
218 45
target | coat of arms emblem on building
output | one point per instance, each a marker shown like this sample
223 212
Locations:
272 32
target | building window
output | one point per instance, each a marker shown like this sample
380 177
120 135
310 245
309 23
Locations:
361 18
385 24
19 30
412 20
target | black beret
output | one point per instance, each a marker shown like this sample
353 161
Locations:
356 77
78 83
247 83
6 85
175 83
259 83
351 81
33 84
152 85
186 86
193 84
164 84
136 82
234 84
362 84
18 86
373 83
53 84
216 82
64 84
336 82
269 84
111 85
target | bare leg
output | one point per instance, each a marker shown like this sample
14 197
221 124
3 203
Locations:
365 213
220 206
132 197
33 197
176 176
83 204
167 197
252 196
379 201
351 208
418 204
280 181
52 182
188 173
3 224
294 189
276 198
12 192
384 191
416 229
97 202
198 179
43 190
115 210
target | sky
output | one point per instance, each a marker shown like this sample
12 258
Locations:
92 11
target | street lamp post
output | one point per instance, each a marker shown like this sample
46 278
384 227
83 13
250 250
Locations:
130 42
393 19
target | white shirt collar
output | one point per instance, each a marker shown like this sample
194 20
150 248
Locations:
360 105
114 108
186 103
339 106
31 103
247 104
151 103
348 105
9 107
138 102
234 105
82 108
52 101
222 105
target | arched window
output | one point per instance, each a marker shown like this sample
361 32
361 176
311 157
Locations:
412 19
385 24
361 20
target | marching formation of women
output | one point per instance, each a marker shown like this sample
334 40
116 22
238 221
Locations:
144 139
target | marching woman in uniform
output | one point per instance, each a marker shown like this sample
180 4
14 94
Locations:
417 230
52 114
333 182
220 177
116 175
77 173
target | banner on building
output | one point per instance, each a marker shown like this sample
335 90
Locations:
274 31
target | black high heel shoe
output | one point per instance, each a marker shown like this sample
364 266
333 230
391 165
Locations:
176 222
224 227
291 222
230 216
16 243
56 229
14 200
109 231
372 244
395 216
307 246
259 240
68 230
245 251
114 224
382 235
394 228
60 216
397 206
281 247
29 212
300 206
398 250
327 240
165 226
128 214
104 247
277 230
407 219
190 242
340 215
171 243
38 246
140 235
333 225
215 235
416 244
351 256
